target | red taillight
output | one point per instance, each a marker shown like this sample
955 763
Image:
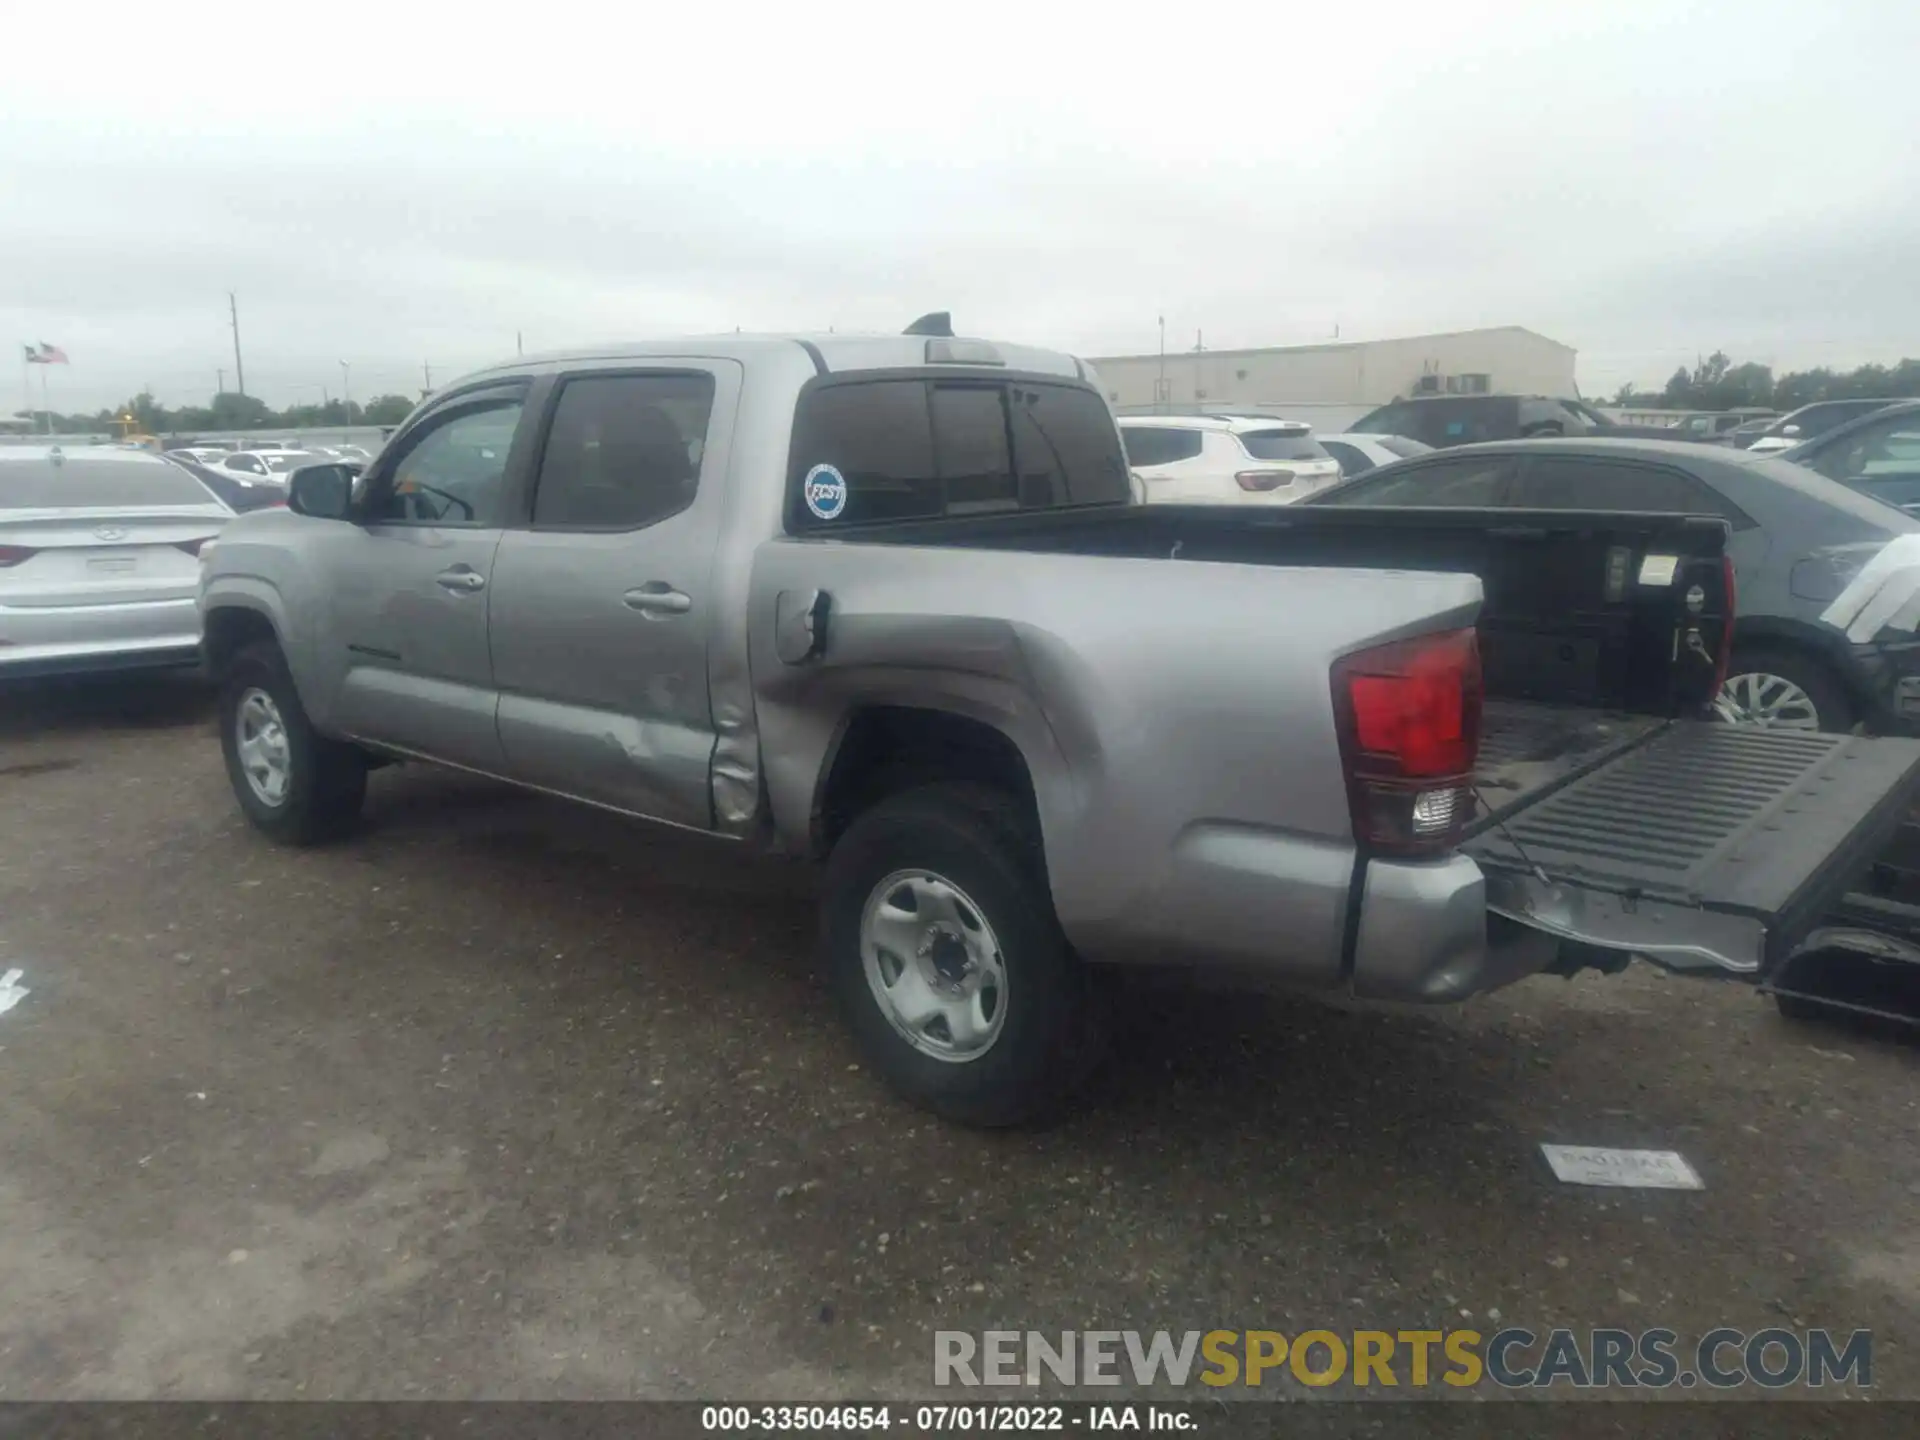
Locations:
1258 480
14 554
1409 733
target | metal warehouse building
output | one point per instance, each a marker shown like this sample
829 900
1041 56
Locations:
1334 383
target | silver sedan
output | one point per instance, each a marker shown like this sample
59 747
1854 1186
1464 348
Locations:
99 560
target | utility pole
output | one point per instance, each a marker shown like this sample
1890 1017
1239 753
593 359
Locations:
239 369
518 348
1162 393
426 375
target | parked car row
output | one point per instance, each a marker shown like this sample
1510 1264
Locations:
1809 422
1796 541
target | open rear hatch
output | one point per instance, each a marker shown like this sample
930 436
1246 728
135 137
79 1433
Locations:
1696 844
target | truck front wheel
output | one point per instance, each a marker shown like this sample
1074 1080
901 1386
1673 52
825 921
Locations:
947 961
293 783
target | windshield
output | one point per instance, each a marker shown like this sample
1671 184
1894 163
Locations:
38 485
1283 445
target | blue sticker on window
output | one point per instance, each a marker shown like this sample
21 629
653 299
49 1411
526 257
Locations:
825 489
1456 427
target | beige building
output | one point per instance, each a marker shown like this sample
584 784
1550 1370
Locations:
1342 376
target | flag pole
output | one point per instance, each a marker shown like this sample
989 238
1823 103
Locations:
46 404
26 389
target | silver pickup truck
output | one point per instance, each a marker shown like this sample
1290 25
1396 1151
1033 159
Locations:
885 603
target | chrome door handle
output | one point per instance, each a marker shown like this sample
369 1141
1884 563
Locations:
656 597
466 581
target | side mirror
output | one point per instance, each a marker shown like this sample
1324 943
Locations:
324 492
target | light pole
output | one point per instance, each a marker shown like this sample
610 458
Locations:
346 389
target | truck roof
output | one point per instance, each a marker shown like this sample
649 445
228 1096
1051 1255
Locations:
834 353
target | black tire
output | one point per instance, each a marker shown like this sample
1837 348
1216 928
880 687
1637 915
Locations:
327 780
981 840
1831 702
1801 1011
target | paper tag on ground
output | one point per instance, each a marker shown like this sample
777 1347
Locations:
1632 1169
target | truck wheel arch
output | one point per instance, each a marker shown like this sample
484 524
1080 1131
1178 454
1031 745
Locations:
228 629
880 750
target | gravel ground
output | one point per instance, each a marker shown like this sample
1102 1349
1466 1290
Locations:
510 1099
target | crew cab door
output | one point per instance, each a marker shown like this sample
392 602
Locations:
408 584
603 597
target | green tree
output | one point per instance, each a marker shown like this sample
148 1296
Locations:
1716 383
241 412
385 410
1679 392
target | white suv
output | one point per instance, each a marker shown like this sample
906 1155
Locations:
1226 459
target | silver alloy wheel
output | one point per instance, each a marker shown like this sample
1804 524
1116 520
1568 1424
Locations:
260 735
933 965
1772 702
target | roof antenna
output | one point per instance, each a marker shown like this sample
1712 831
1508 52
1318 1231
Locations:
936 322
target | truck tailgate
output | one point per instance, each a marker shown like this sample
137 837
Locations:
1703 846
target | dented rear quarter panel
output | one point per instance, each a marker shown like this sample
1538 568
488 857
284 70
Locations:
1175 717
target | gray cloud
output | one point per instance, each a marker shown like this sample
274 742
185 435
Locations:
1643 187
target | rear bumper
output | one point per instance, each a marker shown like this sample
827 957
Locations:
1266 908
81 639
1425 935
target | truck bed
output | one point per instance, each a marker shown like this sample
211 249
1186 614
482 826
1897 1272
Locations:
1569 615
1610 811
1529 748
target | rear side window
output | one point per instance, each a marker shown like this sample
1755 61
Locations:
971 450
1549 417
1281 445
1445 422
1569 482
1818 419
1066 447
1466 483
1159 444
623 451
877 450
41 485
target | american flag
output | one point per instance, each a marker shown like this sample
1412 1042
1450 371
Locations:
46 355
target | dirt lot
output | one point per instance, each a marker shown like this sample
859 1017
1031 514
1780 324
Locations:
505 1098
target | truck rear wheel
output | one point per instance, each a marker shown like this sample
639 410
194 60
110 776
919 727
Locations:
947 961
294 784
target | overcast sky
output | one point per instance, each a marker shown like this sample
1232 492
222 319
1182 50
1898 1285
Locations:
1641 182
